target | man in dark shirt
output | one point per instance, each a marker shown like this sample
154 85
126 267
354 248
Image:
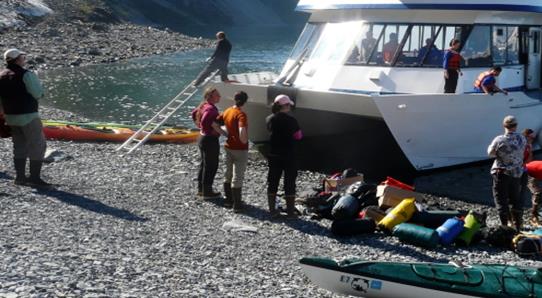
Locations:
219 60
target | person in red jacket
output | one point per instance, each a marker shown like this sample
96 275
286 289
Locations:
534 169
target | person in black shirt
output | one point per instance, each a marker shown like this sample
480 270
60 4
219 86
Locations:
219 60
285 132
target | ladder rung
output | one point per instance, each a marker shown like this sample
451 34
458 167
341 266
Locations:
166 112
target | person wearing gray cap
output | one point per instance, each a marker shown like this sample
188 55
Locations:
20 90
507 169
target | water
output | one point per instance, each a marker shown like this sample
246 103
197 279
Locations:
132 91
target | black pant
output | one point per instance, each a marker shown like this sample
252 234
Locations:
450 84
506 191
212 66
278 165
209 149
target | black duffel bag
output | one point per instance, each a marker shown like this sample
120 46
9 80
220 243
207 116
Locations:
350 227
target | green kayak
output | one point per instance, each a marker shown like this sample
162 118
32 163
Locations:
390 279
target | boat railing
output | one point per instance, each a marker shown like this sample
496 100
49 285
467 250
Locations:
252 78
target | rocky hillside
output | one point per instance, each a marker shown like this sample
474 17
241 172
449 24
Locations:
178 13
174 14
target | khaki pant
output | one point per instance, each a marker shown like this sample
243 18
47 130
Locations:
236 164
535 186
28 141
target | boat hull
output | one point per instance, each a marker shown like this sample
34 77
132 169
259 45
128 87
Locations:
407 132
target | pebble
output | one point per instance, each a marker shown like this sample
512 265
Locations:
133 227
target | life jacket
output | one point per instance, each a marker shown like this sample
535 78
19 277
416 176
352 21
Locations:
454 62
16 100
481 78
534 169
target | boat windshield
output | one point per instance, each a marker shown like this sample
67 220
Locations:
407 45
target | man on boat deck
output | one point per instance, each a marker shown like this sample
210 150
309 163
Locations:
219 60
487 82
452 66
20 90
508 150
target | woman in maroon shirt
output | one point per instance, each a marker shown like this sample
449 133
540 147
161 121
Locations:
205 118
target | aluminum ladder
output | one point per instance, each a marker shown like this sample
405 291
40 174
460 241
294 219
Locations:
144 133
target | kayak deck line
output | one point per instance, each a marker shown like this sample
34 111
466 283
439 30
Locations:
484 280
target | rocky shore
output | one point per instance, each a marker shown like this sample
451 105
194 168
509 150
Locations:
132 227
53 44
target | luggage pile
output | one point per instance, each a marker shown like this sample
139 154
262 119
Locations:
394 208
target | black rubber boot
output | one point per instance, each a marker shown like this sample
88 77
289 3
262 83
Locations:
20 168
517 219
35 175
237 194
209 193
228 200
535 222
271 201
290 206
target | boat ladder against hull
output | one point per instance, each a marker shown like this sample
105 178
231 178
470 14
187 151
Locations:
144 133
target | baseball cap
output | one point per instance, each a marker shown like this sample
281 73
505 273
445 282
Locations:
509 121
282 99
13 54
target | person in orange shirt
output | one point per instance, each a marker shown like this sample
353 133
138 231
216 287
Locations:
236 147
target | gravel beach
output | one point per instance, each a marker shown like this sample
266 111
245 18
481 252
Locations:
132 227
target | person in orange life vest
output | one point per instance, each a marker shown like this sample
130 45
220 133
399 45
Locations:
236 147
487 82
204 117
389 49
452 66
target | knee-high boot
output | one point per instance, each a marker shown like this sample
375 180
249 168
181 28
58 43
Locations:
237 199
535 222
20 168
290 206
517 219
271 201
228 200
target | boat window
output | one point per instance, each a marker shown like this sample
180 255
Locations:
476 51
388 45
499 45
335 43
307 39
422 47
512 45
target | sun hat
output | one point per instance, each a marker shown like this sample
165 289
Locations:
13 54
282 99
509 121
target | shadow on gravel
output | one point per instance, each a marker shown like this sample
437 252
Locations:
90 204
304 226
5 176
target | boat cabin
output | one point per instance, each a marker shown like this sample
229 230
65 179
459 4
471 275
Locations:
397 46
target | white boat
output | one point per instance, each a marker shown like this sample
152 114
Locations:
376 111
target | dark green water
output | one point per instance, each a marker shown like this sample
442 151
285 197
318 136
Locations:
132 91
